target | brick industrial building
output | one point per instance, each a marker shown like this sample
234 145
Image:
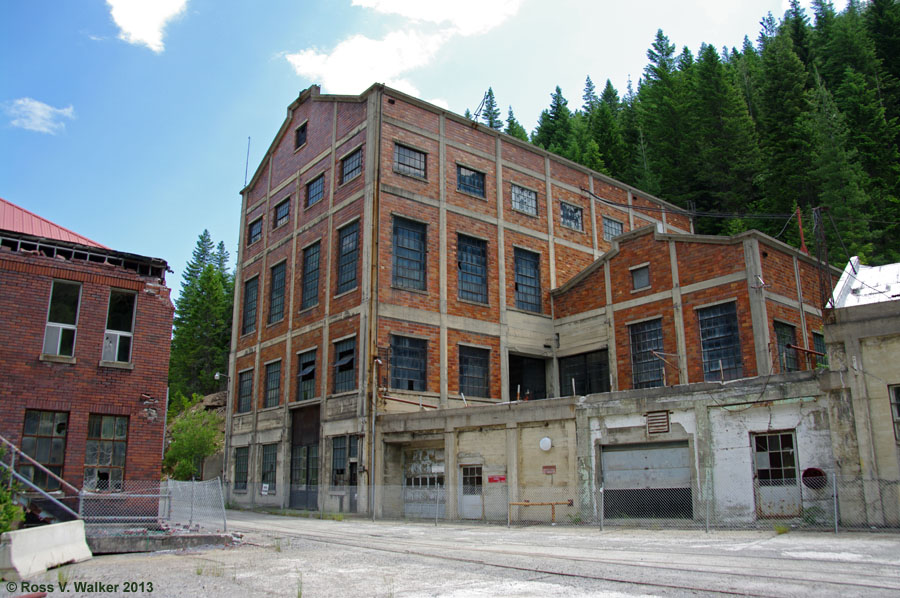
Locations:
85 354
394 252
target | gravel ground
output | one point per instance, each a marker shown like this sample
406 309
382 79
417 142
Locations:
285 556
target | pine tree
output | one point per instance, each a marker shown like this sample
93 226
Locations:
610 97
768 30
796 23
589 96
554 127
468 114
490 115
514 128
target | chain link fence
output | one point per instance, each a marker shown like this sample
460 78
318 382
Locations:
138 506
823 502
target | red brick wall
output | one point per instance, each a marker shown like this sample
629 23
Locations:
586 295
702 261
638 251
84 387
432 334
692 301
624 318
456 225
454 337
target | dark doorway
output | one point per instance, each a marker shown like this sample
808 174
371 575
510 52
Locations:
305 458
527 378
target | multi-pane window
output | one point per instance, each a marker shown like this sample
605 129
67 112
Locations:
345 365
119 326
348 249
104 452
339 461
276 293
819 346
409 161
315 190
273 384
472 264
351 166
612 228
310 289
524 200
720 342
895 410
786 339
472 480
528 280
62 319
589 372
474 365
774 459
241 467
469 181
254 231
571 216
300 136
44 440
282 213
640 278
409 254
251 295
269 468
408 357
646 348
245 391
306 375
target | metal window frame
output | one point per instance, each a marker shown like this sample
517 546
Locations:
354 159
116 441
474 371
409 358
248 314
407 161
637 271
272 395
894 398
589 369
786 476
60 326
310 284
819 345
471 181
306 375
720 342
277 285
344 377
471 262
241 473
112 338
519 193
348 254
339 460
527 280
647 370
410 245
279 218
245 391
24 467
787 358
315 195
268 470
608 225
574 211
254 231
301 129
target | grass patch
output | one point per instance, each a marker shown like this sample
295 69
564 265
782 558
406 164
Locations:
781 528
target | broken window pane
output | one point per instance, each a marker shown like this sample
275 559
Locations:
121 311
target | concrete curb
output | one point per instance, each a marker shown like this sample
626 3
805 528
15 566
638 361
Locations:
150 543
28 552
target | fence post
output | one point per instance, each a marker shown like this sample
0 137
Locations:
602 507
222 496
436 497
708 499
191 518
834 499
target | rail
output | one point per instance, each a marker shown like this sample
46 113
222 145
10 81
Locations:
528 503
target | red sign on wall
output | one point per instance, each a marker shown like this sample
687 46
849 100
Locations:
494 479
549 469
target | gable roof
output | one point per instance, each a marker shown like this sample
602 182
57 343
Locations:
19 220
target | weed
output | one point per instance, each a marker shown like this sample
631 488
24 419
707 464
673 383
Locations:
199 570
300 584
277 546
63 575
781 528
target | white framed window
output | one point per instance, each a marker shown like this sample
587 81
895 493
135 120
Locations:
62 319
119 326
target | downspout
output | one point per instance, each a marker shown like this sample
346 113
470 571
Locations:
373 298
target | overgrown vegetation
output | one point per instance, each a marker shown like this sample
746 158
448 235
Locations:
195 435
10 512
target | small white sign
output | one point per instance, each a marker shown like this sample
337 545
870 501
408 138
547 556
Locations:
265 489
437 468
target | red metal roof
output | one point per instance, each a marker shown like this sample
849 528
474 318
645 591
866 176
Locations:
19 220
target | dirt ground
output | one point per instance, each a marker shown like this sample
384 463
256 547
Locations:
287 556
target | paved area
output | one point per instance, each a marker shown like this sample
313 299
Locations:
288 556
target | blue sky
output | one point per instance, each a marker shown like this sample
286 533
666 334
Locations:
127 120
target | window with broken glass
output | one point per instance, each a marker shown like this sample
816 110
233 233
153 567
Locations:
62 319
646 354
571 216
44 440
245 391
524 200
720 342
306 375
469 181
282 213
408 357
821 361
472 264
339 460
119 326
774 459
528 281
587 372
241 463
104 452
473 371
273 384
269 468
345 365
786 336
300 136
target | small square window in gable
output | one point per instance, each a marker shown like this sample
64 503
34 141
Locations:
640 278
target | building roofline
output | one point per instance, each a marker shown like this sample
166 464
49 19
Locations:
50 224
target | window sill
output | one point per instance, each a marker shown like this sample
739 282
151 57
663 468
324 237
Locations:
572 228
236 491
252 243
641 290
276 322
314 204
57 358
267 409
310 401
470 302
344 393
310 308
339 295
470 194
524 213
411 176
528 312
416 291
297 149
248 334
116 365
283 224
350 180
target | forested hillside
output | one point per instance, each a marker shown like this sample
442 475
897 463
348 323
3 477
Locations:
806 116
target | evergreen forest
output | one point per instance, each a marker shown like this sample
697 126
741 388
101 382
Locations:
805 116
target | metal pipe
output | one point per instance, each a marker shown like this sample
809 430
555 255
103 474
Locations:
375 363
420 404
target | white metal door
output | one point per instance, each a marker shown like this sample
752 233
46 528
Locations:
776 481
471 495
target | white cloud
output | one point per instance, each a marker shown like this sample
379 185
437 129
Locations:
30 114
467 17
143 21
358 60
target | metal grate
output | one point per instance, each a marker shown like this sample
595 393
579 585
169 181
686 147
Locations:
658 422
409 254
469 181
276 293
348 245
408 358
528 282
646 368
720 342
472 264
310 276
